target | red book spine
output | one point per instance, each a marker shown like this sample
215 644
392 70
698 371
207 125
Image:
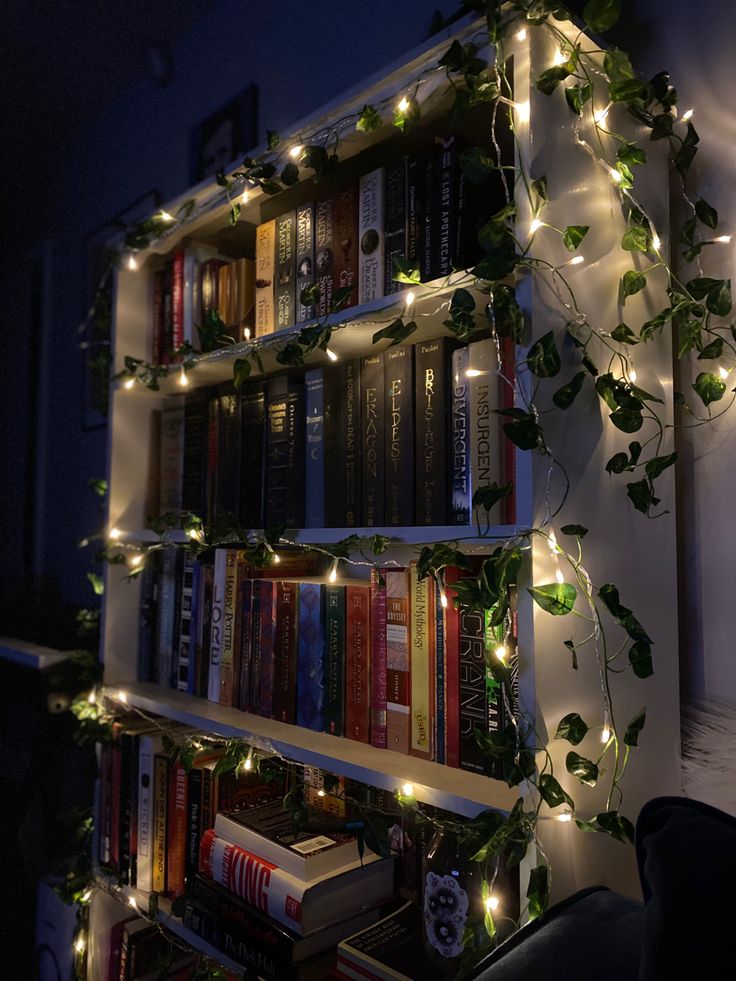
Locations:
379 736
105 804
243 873
177 812
507 381
157 350
357 663
452 672
177 300
285 655
208 799
345 237
266 655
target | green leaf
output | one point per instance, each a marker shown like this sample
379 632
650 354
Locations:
622 614
566 395
579 531
706 213
486 497
504 313
524 432
640 659
290 174
628 418
499 263
397 330
574 235
662 126
477 164
718 301
552 793
291 354
340 297
272 139
98 586
539 186
543 359
709 387
631 736
617 65
234 214
641 495
310 294
557 598
462 301
406 271
618 463
585 770
701 286
624 334
658 464
537 892
616 825
631 155
636 239
551 78
577 96
572 728
241 371
628 89
632 282
712 351
571 647
600 15
369 120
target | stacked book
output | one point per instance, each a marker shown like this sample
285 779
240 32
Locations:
278 901
381 662
399 437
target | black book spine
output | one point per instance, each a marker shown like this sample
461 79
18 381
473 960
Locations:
255 654
194 463
228 454
443 208
399 435
331 413
426 207
285 453
373 414
285 652
304 258
194 823
395 238
127 747
252 432
285 270
147 618
350 445
414 210
431 403
213 449
472 689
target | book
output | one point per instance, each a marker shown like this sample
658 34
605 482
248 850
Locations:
452 670
335 659
252 448
184 660
194 821
395 241
203 639
233 557
304 258
443 207
147 617
397 659
265 278
244 277
324 253
372 426
284 476
177 299
216 624
172 453
167 625
391 950
370 232
485 425
176 832
157 316
332 404
460 510
426 232
416 205
350 445
158 823
244 631
229 442
267 639
439 715
399 435
421 670
194 453
314 465
379 736
213 430
285 270
285 651
268 832
472 688
345 239
357 663
311 657
431 402
303 906
209 278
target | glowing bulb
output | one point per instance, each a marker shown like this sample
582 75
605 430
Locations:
523 111
616 175
165 216
564 817
492 903
403 104
606 730
296 151
408 790
276 558
723 238
320 793
409 299
521 35
331 354
535 225
248 764
245 196
501 652
600 115
552 541
92 698
132 262
559 576
195 534
183 380
576 260
114 533
86 895
333 571
560 57
688 114
632 375
723 373
132 902
473 372
129 383
135 560
123 697
656 242
80 943
246 333
443 598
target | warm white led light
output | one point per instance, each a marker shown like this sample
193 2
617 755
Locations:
523 111
132 902
616 175
296 151
521 35
183 380
276 558
473 372
80 943
605 734
331 354
443 598
129 383
600 114
632 375
123 697
165 216
656 242
559 58
723 238
92 698
408 790
535 225
403 104
552 541
564 817
409 299
86 895
114 534
576 260
501 652
333 571
248 764
688 114
132 263
135 560
492 903
559 576
320 793
245 196
246 333
723 373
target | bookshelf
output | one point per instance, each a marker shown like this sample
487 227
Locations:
637 551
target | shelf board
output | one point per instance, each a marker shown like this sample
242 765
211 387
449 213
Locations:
442 786
30 655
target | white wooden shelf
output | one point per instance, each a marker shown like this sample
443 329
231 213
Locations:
442 786
32 656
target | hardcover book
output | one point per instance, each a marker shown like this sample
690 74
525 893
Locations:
177 299
399 435
397 659
265 278
252 431
158 824
285 654
472 686
311 657
444 205
184 661
304 258
267 640
172 453
157 341
485 425
392 950
245 641
357 663
335 659
332 403
421 666
430 406
372 422
370 231
395 239
345 238
176 838
379 737
350 445
216 624
285 452
460 511
194 453
209 276
452 670
286 270
314 467
439 732
324 252
244 279
229 441
233 557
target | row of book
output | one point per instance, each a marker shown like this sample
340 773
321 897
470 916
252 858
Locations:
139 951
420 209
384 663
400 437
193 281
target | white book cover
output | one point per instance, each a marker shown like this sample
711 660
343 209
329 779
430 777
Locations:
370 232
485 426
148 745
218 609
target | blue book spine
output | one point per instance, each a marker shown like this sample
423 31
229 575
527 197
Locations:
311 657
195 649
439 715
314 468
460 512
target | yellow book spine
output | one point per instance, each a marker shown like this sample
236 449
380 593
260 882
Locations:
421 723
265 276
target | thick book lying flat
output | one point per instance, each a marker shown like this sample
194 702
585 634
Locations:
391 949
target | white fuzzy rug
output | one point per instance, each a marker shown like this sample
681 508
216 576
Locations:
709 753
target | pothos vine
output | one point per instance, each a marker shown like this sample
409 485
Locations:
596 84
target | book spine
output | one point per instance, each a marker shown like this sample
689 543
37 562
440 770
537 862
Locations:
285 454
261 884
472 685
285 680
492 636
421 617
395 244
311 657
245 608
172 454
304 258
265 277
399 436
508 388
370 233
255 657
440 688
173 653
314 465
357 663
252 447
372 424
452 671
324 253
158 835
208 806
176 843
430 401
378 660
245 270
194 821
426 204
177 300
194 454
213 433
267 652
414 216
223 293
460 511
227 648
166 617
167 333
485 442
335 660
218 599
248 951
350 455
285 270
184 657
443 208
195 628
228 454
238 632
397 659
157 345
188 297
345 237
202 673
127 749
332 401
105 804
147 618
